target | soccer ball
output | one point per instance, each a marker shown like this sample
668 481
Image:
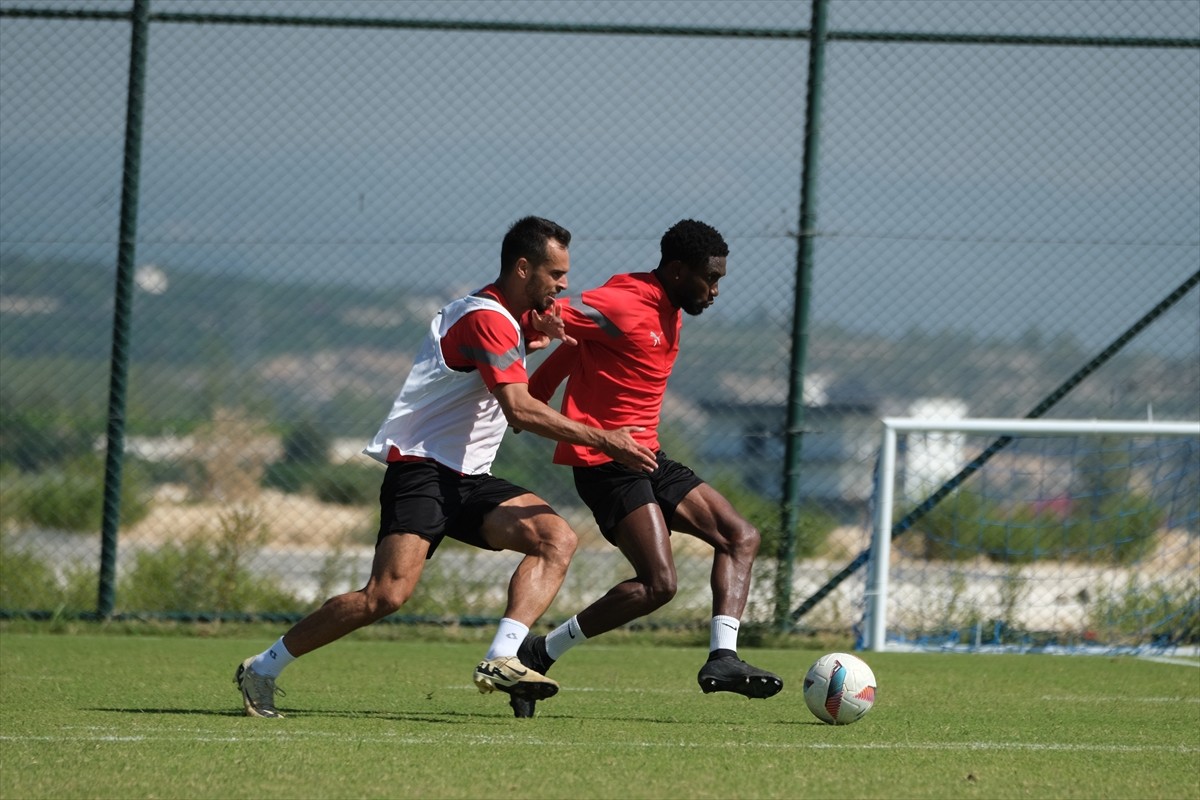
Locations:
839 688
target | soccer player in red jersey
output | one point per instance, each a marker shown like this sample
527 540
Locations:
627 338
467 385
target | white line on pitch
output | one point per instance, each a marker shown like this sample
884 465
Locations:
528 741
1112 698
1178 662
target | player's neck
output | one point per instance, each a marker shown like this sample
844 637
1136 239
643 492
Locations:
495 290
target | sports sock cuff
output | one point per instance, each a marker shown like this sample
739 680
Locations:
563 638
271 661
724 633
508 638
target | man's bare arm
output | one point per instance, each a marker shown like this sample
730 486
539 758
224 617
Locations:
526 413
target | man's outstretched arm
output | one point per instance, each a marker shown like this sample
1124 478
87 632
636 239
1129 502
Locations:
527 413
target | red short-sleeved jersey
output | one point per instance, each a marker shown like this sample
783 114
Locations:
484 340
628 334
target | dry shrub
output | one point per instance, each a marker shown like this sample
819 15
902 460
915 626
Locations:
231 455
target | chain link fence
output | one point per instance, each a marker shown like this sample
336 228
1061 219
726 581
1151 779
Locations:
1001 190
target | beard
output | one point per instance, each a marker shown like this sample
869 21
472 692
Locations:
540 301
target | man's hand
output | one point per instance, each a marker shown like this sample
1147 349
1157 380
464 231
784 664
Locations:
624 449
550 326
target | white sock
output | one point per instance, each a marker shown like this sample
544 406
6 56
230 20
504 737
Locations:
563 638
723 633
508 638
270 662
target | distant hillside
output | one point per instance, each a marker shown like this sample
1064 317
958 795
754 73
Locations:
55 308
340 353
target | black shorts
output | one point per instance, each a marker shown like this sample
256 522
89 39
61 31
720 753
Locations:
612 491
433 501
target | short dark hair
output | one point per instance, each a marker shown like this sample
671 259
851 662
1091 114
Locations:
693 243
527 239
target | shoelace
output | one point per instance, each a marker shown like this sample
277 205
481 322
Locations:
270 684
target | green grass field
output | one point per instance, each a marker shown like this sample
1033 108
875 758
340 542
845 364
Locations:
90 715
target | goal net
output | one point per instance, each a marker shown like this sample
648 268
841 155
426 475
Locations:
1021 535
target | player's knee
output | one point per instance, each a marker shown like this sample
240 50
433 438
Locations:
741 540
660 590
553 539
382 601
747 540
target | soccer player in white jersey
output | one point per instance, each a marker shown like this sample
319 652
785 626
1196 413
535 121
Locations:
467 385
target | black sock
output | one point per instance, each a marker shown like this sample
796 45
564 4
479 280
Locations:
539 646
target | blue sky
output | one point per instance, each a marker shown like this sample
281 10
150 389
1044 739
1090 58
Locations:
992 189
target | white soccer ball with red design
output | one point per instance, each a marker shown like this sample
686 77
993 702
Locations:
839 688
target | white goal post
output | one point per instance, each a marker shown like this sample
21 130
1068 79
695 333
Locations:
941 441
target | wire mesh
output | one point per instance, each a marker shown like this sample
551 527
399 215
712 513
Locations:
318 179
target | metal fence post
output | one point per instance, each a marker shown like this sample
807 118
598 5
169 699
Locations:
123 307
793 432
